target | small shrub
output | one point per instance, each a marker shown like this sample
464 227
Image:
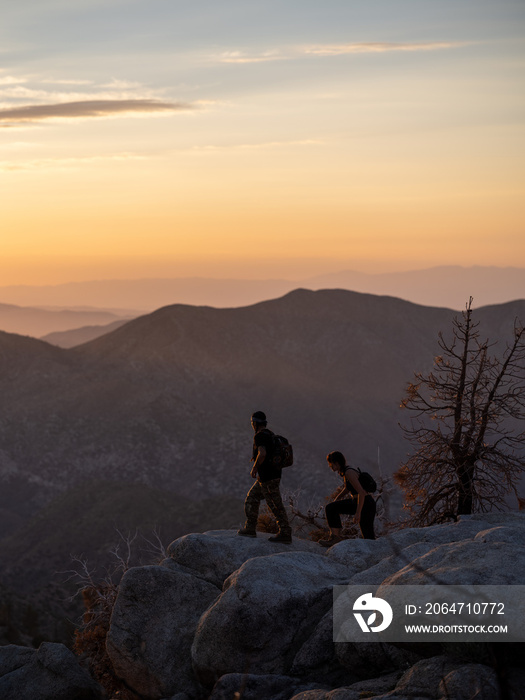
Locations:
266 521
90 638
98 597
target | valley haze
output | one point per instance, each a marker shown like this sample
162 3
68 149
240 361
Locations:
445 286
165 399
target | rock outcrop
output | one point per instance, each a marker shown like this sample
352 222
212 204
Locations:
266 611
225 614
437 678
50 672
152 628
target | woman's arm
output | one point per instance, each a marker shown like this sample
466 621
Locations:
342 492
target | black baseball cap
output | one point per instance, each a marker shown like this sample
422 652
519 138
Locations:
258 417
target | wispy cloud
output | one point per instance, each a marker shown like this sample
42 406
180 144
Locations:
39 95
116 84
75 162
50 81
254 146
67 163
242 57
324 50
378 47
87 109
11 80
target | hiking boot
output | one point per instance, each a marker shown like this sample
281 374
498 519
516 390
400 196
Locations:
246 532
333 539
282 538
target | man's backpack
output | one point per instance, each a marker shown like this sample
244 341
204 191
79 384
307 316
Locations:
282 452
366 480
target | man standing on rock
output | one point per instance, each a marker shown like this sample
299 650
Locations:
266 487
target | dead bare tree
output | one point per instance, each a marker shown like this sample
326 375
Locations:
99 596
466 426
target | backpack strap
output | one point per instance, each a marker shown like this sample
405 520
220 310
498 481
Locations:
347 483
358 472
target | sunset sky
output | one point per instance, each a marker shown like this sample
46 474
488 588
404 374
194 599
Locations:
251 138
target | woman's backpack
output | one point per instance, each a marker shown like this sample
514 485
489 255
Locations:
366 480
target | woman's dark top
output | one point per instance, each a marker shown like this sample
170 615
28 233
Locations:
348 485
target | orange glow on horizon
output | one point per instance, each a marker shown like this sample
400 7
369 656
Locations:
407 157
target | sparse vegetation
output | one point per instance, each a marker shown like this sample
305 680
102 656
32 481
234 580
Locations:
466 428
266 521
98 597
310 521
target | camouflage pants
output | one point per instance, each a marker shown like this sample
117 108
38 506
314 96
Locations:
269 492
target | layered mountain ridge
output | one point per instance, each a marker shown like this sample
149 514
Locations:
445 285
166 398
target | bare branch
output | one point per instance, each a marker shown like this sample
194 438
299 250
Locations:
468 454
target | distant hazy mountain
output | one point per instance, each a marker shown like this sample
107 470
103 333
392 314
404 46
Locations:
38 322
165 400
439 286
149 294
449 286
78 336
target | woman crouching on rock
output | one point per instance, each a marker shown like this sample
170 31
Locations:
360 504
